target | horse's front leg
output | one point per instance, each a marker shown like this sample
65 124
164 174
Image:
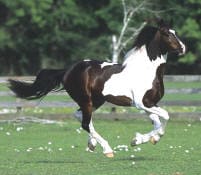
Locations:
159 127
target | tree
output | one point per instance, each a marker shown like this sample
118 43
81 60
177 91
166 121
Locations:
38 34
121 42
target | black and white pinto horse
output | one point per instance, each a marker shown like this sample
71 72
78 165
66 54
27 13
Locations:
137 82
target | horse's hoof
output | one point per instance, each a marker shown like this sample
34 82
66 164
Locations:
134 142
92 144
154 139
109 155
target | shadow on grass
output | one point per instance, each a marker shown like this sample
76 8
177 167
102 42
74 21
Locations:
136 159
53 162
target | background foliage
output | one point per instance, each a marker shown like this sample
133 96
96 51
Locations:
37 34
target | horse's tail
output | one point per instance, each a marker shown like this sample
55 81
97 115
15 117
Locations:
47 80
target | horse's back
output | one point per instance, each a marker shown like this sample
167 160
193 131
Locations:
86 79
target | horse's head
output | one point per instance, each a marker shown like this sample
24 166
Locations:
159 40
169 40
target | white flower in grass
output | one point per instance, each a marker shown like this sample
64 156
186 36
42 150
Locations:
189 125
19 129
138 149
49 150
72 146
186 151
132 156
78 131
49 143
121 148
29 149
8 133
16 150
41 148
60 149
133 163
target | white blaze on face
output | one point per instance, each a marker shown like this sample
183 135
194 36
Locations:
182 45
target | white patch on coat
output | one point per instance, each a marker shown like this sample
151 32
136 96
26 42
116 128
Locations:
87 60
107 64
136 78
182 45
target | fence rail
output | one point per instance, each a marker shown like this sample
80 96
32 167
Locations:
56 103
167 78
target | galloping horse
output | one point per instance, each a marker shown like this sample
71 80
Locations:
137 82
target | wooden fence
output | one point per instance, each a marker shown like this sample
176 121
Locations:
168 78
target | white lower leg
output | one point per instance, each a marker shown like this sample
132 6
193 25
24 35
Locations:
158 127
104 144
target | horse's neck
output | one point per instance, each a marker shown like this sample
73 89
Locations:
139 57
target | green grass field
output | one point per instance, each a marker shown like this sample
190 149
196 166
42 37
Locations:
57 149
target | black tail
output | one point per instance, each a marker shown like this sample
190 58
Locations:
46 81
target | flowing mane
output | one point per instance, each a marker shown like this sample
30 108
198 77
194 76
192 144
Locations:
145 36
150 38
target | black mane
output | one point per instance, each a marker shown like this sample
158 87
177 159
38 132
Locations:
147 37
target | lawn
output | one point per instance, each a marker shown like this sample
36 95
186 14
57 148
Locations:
57 149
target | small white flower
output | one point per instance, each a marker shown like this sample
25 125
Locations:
41 148
187 151
171 147
118 137
49 143
72 146
132 156
49 150
29 149
17 150
78 131
19 129
133 163
8 133
60 149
